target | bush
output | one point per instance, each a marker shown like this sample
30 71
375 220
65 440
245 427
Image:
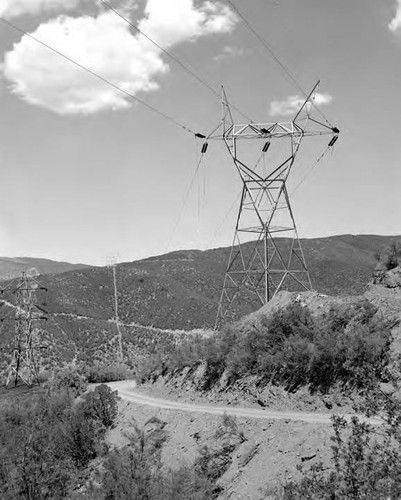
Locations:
366 464
135 472
101 405
348 346
108 373
390 258
47 441
34 463
69 380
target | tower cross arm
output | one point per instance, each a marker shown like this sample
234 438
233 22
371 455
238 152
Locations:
268 131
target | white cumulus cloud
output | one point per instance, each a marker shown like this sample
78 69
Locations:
395 23
292 104
15 8
169 22
105 45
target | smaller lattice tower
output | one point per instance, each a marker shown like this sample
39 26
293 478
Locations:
23 366
266 256
111 262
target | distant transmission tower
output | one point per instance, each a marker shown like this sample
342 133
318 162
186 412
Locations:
112 263
268 263
23 366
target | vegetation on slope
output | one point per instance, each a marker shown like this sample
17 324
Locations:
366 463
46 440
179 290
52 445
349 346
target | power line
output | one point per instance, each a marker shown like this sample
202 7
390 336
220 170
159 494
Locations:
103 79
268 47
310 170
184 66
179 216
227 214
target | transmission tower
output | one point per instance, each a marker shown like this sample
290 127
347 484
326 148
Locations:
273 259
112 263
23 366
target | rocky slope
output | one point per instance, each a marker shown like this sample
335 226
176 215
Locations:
272 453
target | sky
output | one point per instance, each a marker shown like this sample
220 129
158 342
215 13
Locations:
89 174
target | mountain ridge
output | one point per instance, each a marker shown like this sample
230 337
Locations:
12 267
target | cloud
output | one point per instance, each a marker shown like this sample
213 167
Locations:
15 8
169 22
292 104
105 45
396 21
230 52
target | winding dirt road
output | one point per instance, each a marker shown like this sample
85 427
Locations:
126 390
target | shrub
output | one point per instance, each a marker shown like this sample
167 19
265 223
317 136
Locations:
33 459
229 430
46 441
83 437
349 345
69 380
101 405
390 258
108 373
366 464
135 471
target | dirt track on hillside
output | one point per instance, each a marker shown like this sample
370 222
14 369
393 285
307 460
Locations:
126 390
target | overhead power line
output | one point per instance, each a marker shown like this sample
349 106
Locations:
185 67
173 57
310 170
103 79
186 198
272 53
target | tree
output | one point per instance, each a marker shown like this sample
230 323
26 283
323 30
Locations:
102 405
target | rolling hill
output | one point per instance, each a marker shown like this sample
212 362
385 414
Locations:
176 291
11 267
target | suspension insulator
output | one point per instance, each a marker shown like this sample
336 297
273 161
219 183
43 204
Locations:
333 141
204 148
266 147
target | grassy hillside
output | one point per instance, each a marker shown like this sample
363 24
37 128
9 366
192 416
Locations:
179 290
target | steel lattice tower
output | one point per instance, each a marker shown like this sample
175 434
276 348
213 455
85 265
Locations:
23 366
269 263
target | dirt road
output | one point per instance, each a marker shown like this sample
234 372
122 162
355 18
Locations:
126 390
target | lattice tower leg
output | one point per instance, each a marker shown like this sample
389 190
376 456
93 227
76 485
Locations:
274 260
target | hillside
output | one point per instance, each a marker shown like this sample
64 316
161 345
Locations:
179 290
11 267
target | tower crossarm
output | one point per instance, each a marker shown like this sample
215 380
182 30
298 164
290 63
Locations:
268 131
